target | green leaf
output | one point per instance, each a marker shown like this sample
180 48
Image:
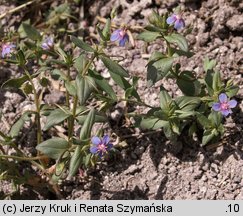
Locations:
107 29
80 63
18 82
208 65
149 36
15 82
175 126
217 83
102 37
155 56
169 132
156 20
27 88
188 85
21 58
58 75
85 86
56 117
179 52
165 99
164 65
62 54
18 125
113 66
81 44
71 87
87 159
162 114
154 29
99 117
58 62
132 92
209 82
179 40
63 8
186 103
208 135
215 118
152 75
76 159
152 123
193 129
29 31
122 82
53 147
184 114
103 84
203 120
87 126
232 91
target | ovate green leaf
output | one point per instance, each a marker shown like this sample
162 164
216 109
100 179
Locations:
54 147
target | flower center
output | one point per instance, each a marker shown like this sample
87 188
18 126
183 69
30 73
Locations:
224 106
122 33
178 17
101 147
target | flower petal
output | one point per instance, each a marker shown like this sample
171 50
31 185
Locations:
216 106
3 53
12 46
226 112
95 140
6 51
106 139
101 154
223 98
123 41
115 35
93 149
179 24
232 103
171 19
109 146
44 46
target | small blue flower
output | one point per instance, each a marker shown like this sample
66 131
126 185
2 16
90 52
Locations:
224 106
176 20
7 49
48 43
121 36
100 146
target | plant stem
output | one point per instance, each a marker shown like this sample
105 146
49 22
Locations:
137 102
169 54
67 93
24 158
169 51
72 118
37 104
88 65
68 105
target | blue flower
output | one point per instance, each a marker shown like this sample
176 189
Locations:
121 36
47 43
100 146
224 106
7 49
176 20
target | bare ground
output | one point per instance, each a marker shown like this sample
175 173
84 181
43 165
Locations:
149 167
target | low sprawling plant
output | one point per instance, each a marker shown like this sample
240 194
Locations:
204 103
